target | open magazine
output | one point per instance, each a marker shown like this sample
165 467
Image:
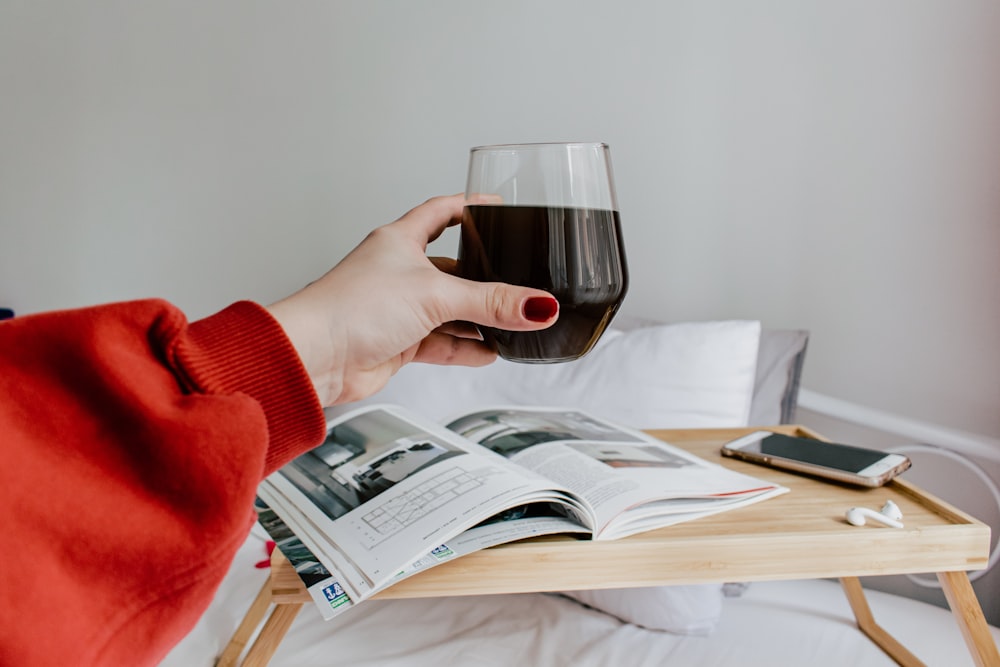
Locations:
389 493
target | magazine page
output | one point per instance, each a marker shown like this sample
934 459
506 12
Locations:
328 588
384 489
630 480
500 530
324 587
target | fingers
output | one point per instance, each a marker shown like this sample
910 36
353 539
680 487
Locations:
483 198
441 348
426 222
446 264
460 330
491 304
500 305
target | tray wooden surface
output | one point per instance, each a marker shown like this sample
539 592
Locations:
801 534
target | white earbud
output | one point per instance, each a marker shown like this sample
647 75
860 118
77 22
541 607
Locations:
891 510
890 515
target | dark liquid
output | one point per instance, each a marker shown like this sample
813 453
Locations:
576 254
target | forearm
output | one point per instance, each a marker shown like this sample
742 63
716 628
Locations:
133 445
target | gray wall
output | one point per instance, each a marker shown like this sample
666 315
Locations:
827 166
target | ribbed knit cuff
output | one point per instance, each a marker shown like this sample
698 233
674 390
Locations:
243 349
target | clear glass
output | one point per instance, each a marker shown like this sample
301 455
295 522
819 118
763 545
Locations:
546 216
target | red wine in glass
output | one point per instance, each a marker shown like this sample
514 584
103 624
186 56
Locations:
576 254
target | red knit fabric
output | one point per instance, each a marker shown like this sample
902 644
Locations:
132 445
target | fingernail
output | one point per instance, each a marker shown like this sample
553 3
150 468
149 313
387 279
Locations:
540 308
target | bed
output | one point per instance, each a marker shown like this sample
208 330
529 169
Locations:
685 375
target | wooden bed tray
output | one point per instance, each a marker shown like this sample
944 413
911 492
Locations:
806 527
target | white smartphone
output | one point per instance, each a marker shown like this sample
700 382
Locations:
842 463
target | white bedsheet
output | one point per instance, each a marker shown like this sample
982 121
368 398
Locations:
772 623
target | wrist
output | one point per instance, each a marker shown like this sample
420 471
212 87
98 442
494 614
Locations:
316 353
244 349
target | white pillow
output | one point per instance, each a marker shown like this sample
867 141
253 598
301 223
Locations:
689 375
684 610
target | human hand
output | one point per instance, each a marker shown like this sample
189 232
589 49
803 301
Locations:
387 304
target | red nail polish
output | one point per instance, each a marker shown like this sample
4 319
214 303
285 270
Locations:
540 308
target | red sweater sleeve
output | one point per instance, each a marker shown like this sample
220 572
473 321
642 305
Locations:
132 447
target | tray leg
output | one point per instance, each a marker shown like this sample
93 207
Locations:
969 615
253 617
271 634
874 631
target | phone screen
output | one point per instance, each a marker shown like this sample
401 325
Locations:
839 457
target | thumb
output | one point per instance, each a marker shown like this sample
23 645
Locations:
503 306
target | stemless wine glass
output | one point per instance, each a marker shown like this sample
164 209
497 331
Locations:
545 215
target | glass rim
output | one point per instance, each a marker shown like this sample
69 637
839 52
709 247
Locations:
542 144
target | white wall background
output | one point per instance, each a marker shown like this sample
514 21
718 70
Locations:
831 166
